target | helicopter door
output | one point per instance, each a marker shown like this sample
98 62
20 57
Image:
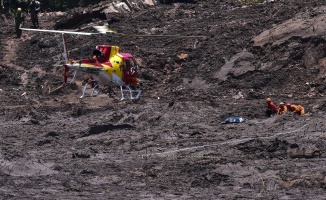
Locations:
134 67
127 72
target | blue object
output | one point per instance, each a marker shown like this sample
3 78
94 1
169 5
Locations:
233 120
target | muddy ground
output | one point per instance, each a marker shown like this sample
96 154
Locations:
170 144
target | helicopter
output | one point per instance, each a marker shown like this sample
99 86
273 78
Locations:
110 66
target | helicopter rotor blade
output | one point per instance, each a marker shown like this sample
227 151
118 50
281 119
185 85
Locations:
103 30
56 31
175 36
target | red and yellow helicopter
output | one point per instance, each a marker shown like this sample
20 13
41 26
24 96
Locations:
108 65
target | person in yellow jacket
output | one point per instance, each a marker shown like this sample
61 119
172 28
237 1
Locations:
298 109
282 109
19 20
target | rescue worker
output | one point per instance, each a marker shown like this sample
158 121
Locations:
19 20
5 4
90 80
134 82
23 4
282 109
298 109
271 108
2 17
34 8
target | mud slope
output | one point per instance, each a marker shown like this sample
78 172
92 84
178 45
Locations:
169 144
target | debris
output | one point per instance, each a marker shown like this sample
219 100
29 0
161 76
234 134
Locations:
55 90
81 154
238 96
182 56
128 4
233 119
52 134
24 94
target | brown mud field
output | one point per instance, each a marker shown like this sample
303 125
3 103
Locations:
170 143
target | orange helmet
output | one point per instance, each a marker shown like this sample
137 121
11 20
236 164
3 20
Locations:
268 99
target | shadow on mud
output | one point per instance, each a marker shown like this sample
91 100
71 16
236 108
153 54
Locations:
97 129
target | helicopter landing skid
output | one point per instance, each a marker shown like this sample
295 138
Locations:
131 91
93 93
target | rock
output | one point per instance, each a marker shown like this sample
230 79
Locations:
81 154
303 151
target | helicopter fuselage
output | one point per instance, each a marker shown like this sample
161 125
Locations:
111 67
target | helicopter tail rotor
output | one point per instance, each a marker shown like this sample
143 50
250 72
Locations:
105 30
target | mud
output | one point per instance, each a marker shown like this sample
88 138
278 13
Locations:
170 144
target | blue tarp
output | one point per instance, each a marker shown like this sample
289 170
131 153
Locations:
233 120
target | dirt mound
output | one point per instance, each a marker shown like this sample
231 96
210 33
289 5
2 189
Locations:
169 144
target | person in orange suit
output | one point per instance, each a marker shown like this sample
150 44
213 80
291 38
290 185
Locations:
271 108
282 109
134 82
298 109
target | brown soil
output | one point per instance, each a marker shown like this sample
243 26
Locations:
170 144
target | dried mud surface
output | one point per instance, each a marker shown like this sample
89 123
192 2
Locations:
170 144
